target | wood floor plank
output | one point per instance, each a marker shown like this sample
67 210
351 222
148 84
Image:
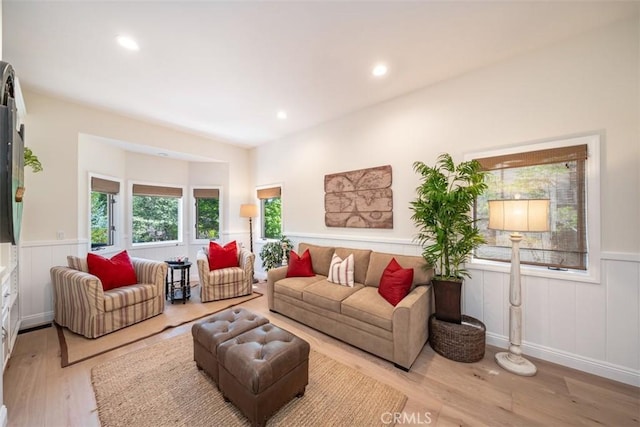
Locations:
38 392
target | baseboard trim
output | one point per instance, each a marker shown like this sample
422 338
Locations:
36 320
4 419
581 363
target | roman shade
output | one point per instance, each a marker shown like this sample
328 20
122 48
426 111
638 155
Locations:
153 190
101 185
269 193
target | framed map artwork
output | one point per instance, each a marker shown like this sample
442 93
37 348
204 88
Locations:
359 199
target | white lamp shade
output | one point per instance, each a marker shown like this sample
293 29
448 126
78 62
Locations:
530 215
248 211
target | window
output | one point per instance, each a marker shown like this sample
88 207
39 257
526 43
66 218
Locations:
156 213
207 213
104 194
558 174
271 212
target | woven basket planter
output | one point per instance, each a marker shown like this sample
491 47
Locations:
460 342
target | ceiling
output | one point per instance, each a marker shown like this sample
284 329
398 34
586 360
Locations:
224 69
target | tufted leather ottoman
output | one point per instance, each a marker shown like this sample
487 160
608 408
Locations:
263 369
209 333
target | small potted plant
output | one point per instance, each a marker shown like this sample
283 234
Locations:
446 230
275 254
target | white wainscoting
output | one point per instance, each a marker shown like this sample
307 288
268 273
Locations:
586 326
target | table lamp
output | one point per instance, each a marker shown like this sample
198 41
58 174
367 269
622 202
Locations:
517 215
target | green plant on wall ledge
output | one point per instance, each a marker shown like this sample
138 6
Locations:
32 160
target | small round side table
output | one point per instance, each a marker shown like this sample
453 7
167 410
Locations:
463 342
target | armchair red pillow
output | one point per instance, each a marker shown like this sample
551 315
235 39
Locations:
113 273
300 266
223 256
395 282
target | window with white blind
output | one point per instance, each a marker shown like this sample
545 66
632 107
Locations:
207 213
156 213
559 172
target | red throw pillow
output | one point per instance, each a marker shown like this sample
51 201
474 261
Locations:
223 257
395 282
300 266
113 273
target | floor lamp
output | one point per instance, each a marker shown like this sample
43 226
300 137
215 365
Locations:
517 215
250 211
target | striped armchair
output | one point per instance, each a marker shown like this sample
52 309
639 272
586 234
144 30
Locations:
83 307
227 282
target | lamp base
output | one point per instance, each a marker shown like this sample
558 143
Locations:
516 364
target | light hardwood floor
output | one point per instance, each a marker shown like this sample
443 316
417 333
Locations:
38 392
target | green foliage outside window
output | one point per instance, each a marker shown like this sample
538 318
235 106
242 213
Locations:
155 219
207 218
272 219
99 219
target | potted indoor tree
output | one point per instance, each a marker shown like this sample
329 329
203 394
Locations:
446 230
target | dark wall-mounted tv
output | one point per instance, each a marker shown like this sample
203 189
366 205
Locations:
11 159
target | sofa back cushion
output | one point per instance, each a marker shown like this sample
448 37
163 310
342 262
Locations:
379 261
78 263
320 257
360 261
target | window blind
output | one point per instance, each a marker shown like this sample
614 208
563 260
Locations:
206 193
104 185
269 193
557 174
153 190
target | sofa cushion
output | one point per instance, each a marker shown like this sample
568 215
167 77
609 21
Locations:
328 295
113 273
360 261
226 275
300 265
128 295
293 286
341 270
395 282
368 306
320 257
77 263
379 261
223 256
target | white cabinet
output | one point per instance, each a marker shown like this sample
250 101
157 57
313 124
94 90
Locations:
9 289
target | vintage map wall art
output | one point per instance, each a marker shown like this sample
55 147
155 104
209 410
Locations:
359 199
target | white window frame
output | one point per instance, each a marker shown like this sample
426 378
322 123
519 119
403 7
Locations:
592 182
193 210
260 211
180 216
117 217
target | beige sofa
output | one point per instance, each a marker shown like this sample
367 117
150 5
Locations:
357 315
81 305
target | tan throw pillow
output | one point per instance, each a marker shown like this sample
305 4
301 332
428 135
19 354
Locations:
341 271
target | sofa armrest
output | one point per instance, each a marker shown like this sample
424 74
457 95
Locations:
203 268
410 325
246 260
273 276
151 272
75 292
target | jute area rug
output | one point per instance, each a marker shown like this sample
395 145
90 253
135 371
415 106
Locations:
75 348
161 386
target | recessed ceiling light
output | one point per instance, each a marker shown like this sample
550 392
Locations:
127 43
282 114
379 70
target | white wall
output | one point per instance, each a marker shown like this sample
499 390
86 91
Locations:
53 130
584 85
